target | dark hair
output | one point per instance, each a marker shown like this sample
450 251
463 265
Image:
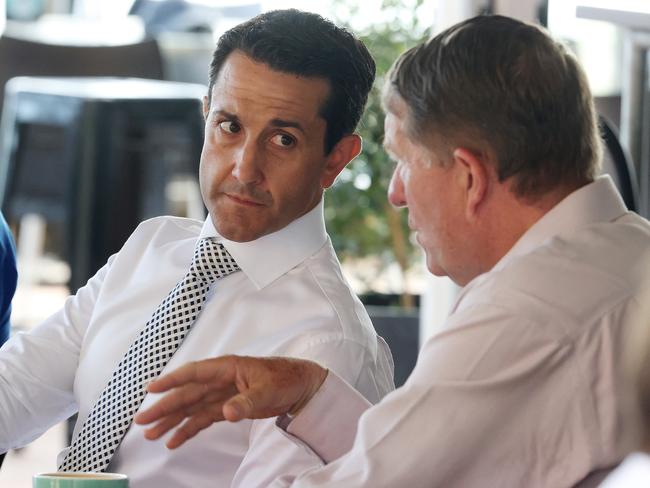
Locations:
511 89
306 44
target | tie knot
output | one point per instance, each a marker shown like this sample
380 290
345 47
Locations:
211 261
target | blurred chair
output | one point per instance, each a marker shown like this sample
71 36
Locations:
95 156
618 164
19 57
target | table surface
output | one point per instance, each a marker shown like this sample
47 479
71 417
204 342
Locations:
633 14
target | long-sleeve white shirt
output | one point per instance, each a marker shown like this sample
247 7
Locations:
290 299
522 388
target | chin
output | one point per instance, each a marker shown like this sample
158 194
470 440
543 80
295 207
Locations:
234 232
434 267
239 235
436 271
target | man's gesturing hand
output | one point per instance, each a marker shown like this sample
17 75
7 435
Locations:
228 388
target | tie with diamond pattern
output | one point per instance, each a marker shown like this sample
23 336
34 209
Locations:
110 418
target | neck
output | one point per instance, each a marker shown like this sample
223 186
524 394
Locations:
509 217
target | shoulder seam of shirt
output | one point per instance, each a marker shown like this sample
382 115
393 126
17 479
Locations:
329 337
333 337
329 300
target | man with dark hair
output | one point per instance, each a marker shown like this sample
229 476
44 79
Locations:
287 41
493 131
287 89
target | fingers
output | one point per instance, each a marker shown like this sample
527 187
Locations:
189 429
171 404
164 426
197 422
231 388
211 370
182 375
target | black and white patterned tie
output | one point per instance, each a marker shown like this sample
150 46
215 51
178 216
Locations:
110 418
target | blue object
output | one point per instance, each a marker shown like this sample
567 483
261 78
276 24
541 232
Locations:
8 277
25 10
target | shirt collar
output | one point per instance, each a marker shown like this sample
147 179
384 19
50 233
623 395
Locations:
267 258
598 201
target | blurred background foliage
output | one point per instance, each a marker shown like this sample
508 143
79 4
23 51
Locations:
359 217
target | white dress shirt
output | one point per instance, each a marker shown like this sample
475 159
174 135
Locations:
290 299
522 387
634 472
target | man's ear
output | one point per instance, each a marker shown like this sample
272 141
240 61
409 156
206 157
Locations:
343 152
206 107
474 174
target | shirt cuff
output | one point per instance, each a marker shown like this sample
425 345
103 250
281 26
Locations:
328 423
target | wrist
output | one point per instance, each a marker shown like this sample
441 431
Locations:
317 375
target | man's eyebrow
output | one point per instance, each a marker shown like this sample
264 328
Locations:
287 123
273 123
225 114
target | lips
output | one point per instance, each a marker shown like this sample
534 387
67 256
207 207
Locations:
411 225
243 200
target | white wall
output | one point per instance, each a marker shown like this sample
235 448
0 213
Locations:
519 9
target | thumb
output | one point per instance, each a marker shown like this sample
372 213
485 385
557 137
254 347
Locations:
257 402
238 408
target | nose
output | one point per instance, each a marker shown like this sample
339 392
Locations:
246 168
396 189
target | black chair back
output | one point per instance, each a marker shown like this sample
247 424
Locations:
94 156
618 164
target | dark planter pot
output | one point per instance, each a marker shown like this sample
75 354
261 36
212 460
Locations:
400 329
